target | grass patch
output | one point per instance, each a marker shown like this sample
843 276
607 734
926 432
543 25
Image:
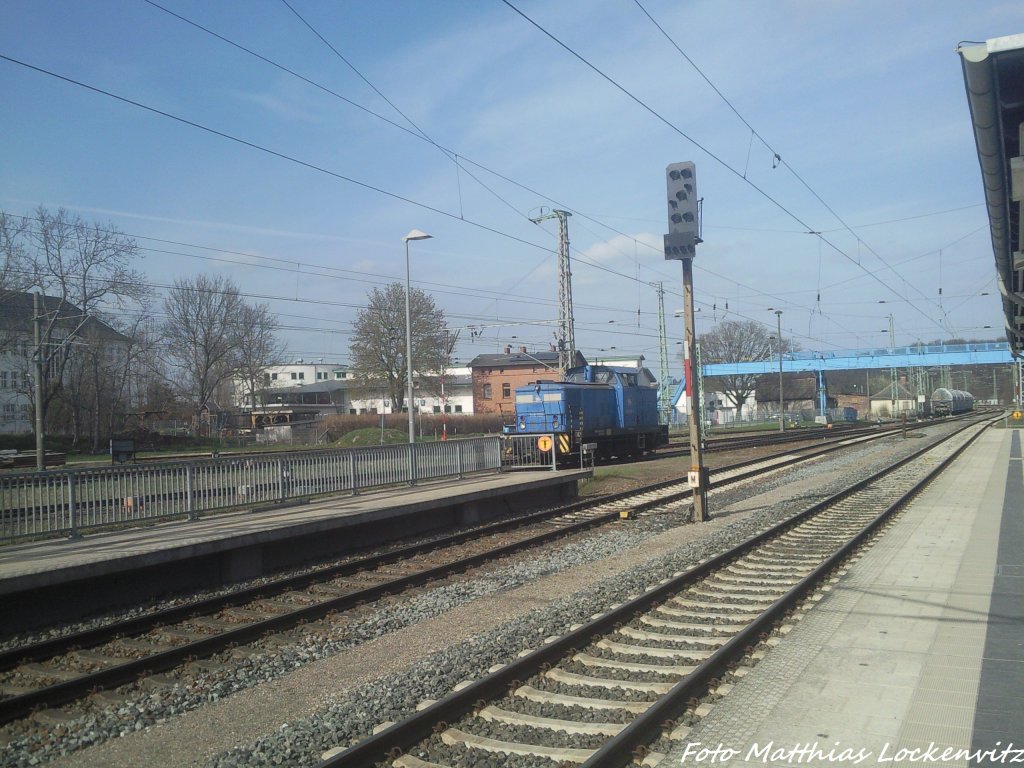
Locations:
604 477
371 436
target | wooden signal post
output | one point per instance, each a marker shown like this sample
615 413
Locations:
681 244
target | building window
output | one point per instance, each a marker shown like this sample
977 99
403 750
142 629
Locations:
487 392
10 411
273 376
458 409
266 378
437 409
352 411
294 375
447 409
339 375
302 374
3 379
506 390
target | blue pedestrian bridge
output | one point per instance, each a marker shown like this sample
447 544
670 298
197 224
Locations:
915 356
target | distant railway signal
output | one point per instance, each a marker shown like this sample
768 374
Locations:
680 245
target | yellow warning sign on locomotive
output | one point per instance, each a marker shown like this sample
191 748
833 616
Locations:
1017 415
563 443
544 443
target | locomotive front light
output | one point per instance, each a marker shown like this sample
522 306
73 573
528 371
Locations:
522 423
554 422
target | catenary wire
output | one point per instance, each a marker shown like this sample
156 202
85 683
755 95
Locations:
419 133
672 126
845 227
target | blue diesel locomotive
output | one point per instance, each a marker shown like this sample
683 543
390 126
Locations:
950 402
614 408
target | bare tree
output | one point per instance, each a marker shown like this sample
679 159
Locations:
84 264
100 375
84 272
377 349
14 271
738 341
14 275
201 330
151 382
256 344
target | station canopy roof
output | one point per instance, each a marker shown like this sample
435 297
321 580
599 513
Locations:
994 77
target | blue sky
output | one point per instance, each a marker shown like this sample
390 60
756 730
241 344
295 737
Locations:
864 101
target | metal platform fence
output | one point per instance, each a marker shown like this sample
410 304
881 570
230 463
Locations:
68 501
529 452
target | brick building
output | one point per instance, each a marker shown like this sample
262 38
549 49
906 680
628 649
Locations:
799 394
495 377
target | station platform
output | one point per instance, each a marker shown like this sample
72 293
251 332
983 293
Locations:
104 569
916 650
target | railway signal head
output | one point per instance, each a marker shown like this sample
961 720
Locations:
683 211
681 180
680 245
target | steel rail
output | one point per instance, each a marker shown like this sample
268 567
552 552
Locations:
619 749
404 734
21 705
11 657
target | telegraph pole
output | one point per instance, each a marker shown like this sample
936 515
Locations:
664 396
681 244
567 332
893 378
782 405
37 333
1020 384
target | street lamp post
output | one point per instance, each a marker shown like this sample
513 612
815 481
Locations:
782 418
413 235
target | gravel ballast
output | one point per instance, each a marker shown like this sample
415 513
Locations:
287 706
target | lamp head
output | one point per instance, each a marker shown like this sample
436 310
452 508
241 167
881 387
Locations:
416 235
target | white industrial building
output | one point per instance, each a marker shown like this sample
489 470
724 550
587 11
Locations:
458 396
330 389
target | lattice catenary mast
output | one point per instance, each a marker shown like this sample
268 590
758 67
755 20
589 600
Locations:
566 324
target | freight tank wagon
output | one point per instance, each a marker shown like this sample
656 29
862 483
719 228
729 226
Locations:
950 402
614 408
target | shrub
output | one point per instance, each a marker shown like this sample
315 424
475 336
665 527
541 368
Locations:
427 424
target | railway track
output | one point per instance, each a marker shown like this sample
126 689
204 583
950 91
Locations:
147 496
627 684
67 668
768 437
738 442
